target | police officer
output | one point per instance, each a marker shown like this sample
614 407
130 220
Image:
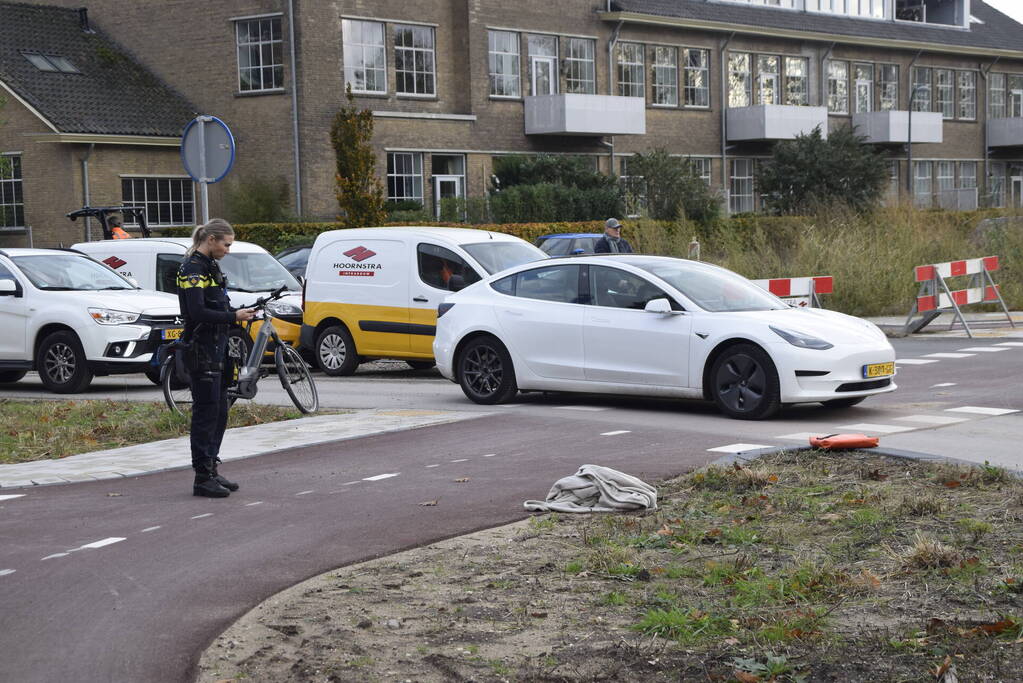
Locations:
202 294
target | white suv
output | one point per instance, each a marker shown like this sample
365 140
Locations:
71 318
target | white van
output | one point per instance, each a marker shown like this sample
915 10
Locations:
374 292
251 272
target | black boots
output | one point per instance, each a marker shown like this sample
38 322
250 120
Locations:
221 479
208 487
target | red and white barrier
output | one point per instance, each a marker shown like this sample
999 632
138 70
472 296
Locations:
936 297
808 288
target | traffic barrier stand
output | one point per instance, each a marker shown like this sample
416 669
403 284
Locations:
936 297
802 292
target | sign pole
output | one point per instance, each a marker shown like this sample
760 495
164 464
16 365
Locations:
203 178
207 153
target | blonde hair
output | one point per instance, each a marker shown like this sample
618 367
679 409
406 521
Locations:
217 227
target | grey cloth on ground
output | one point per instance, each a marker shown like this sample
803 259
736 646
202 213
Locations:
597 489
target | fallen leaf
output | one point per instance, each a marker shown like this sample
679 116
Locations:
462 480
746 677
666 531
429 503
940 671
953 483
773 478
538 615
997 627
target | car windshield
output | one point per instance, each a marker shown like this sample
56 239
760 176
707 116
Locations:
496 256
69 272
712 288
256 272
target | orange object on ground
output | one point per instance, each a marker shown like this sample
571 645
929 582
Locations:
842 442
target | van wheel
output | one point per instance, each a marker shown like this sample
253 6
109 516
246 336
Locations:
61 363
11 376
335 352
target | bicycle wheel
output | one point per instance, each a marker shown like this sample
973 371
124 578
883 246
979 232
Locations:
178 396
296 379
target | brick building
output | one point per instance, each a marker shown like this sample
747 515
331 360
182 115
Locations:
453 83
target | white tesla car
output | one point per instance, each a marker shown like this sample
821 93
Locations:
654 326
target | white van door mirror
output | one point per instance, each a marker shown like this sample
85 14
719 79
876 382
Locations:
8 287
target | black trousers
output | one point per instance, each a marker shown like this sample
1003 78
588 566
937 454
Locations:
209 419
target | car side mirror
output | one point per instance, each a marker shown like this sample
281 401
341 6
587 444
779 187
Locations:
662 306
134 282
8 288
456 283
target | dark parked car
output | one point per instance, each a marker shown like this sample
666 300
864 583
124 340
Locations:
568 243
295 259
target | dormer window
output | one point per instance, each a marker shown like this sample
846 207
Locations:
942 12
52 63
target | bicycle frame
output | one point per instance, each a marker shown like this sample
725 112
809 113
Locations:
250 373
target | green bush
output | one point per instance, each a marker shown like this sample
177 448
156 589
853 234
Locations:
670 188
548 169
256 200
550 202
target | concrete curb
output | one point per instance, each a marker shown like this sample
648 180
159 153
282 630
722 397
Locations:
751 455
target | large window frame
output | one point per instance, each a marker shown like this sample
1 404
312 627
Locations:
740 79
259 48
12 197
863 87
167 200
415 60
996 96
405 177
923 190
580 66
769 79
797 81
888 86
742 193
920 97
966 84
629 68
944 93
542 48
838 86
504 51
696 78
365 57
664 77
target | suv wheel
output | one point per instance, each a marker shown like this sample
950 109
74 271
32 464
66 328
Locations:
61 363
335 352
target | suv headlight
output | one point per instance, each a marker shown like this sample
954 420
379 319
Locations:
283 308
800 339
107 316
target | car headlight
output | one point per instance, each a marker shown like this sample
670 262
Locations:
107 316
283 308
803 341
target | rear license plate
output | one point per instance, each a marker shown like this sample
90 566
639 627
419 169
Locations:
173 333
878 370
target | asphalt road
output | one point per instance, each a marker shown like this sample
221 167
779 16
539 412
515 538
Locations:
131 579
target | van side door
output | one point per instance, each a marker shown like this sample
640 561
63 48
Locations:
430 279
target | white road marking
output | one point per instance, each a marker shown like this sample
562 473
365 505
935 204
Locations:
977 410
737 448
12 496
949 355
1010 344
382 476
593 409
799 436
913 361
429 466
932 419
349 483
258 502
983 349
50 557
208 514
460 460
148 529
877 429
5 572
104 542
489 455
617 432
303 493
943 384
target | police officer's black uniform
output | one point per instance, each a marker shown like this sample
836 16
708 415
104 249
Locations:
202 294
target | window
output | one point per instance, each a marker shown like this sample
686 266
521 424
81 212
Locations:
740 199
968 175
697 77
922 184
666 76
968 95
630 70
414 60
405 176
554 283
505 285
503 47
167 266
167 201
863 75
616 288
768 80
580 76
634 188
996 184
740 84
838 87
260 54
996 96
892 196
946 176
702 168
874 9
542 54
944 92
888 86
364 56
920 96
796 90
52 63
12 203
1014 104
437 265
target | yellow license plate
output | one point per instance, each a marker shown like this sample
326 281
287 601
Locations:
878 370
173 334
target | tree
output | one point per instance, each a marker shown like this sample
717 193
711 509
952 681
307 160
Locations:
670 188
810 172
570 171
547 187
360 194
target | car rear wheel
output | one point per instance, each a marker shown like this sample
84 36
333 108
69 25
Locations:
335 352
485 371
744 383
844 402
61 363
11 376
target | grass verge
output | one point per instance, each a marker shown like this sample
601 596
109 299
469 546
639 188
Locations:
49 430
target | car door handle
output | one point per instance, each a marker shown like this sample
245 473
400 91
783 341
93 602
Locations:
517 314
420 299
600 320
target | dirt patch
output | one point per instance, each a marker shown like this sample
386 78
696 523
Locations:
807 566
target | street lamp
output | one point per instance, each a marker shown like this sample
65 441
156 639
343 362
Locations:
909 140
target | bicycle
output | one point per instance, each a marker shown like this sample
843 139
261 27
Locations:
291 369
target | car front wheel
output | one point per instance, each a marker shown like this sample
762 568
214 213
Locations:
744 383
61 363
335 352
485 371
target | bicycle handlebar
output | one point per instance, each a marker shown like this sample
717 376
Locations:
262 301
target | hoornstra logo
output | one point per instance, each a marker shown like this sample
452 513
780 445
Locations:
114 262
359 254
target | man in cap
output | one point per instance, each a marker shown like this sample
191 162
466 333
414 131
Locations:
612 241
